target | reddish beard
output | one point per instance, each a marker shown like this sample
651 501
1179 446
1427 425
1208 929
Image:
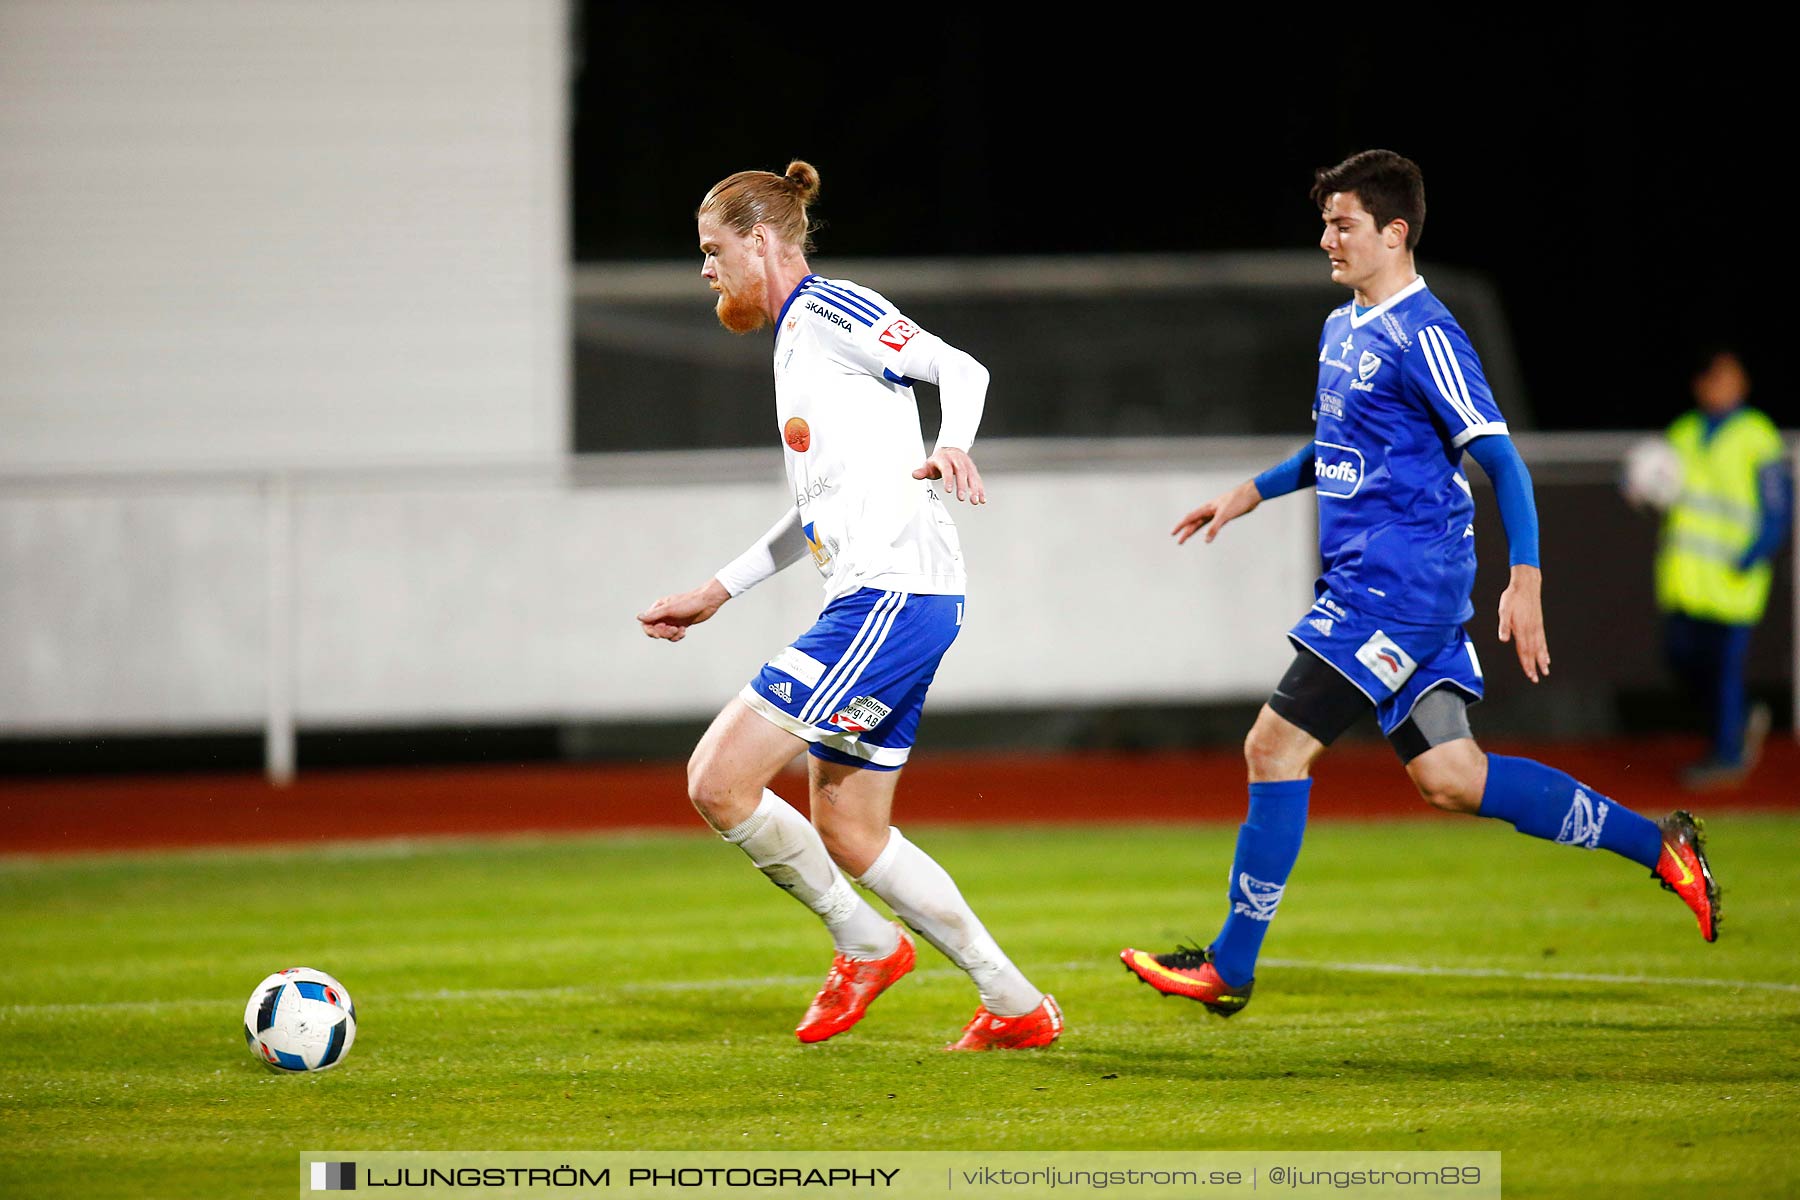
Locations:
738 313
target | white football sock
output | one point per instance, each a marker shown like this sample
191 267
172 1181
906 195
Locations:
923 895
786 847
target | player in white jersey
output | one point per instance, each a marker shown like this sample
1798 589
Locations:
850 689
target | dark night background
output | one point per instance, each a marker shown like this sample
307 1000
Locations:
1617 179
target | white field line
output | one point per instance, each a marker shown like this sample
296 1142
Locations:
1408 970
1415 971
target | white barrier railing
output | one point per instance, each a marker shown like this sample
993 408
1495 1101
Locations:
215 601
229 601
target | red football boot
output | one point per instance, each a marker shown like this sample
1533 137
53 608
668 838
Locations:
850 987
1189 972
1683 869
1039 1027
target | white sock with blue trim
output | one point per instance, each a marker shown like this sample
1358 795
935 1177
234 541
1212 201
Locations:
923 895
785 847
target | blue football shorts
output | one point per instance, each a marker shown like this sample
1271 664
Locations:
854 684
1394 665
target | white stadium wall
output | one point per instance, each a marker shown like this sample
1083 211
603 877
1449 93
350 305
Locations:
497 594
265 234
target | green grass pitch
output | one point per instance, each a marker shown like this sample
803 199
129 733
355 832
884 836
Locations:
1433 984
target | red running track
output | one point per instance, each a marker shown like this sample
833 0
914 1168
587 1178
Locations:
65 815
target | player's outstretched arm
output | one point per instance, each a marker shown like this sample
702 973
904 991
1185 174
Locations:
1522 621
670 617
1218 512
1289 475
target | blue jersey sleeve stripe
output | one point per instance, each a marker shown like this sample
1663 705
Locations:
1428 348
902 380
1448 350
1462 384
1437 348
849 300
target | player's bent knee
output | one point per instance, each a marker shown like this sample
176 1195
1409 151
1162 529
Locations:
715 795
853 850
1262 757
1449 798
1275 750
1451 777
854 840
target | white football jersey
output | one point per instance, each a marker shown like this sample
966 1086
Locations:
850 429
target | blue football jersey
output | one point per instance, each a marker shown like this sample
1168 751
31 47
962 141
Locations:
1401 392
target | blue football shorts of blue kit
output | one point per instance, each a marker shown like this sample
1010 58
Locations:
1394 665
854 684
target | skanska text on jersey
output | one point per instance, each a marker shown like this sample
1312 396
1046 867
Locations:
835 318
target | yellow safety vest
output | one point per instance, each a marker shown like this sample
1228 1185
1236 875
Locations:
1716 519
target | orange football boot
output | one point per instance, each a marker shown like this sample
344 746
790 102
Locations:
850 987
1039 1027
1188 972
1683 869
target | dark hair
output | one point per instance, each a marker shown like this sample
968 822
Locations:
1703 354
749 198
1390 187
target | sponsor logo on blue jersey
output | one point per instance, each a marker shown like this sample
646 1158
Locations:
1339 469
1330 405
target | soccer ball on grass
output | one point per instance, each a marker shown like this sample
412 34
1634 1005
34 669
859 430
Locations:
300 1020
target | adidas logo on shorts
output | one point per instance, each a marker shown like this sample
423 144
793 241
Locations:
1322 624
783 691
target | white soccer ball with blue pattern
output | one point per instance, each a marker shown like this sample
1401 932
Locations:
300 1020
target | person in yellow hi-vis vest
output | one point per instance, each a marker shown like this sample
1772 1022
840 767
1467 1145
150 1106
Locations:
1713 567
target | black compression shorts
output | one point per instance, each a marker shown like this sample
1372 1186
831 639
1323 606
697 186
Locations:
1314 697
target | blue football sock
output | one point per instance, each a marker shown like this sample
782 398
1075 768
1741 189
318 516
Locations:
1548 804
1267 846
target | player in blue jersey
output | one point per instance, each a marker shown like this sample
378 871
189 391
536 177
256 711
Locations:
1401 397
